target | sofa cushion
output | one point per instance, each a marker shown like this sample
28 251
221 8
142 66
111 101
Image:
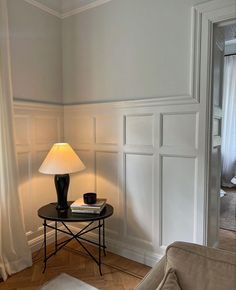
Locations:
153 277
169 282
202 268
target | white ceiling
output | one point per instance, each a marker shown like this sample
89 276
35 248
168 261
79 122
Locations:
64 6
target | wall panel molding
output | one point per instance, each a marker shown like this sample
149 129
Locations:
37 127
139 211
107 130
142 103
36 107
139 199
178 199
129 175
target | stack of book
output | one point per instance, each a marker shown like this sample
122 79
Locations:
79 206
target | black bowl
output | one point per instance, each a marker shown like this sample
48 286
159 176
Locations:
90 197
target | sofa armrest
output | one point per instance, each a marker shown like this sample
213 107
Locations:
153 277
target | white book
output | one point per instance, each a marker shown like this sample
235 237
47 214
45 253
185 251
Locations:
80 205
97 210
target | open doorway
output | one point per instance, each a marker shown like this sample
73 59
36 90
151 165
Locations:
227 220
221 206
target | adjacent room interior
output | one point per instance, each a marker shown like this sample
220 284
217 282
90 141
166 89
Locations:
117 134
228 175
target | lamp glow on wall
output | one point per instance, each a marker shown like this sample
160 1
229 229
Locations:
61 161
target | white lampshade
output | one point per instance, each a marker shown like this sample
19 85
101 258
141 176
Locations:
61 159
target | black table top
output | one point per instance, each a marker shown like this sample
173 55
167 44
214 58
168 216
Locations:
49 212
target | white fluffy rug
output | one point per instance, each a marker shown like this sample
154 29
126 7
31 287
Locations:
66 282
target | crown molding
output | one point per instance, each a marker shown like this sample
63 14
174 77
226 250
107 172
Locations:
44 8
69 13
84 8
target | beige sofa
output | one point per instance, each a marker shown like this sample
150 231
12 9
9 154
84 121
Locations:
196 268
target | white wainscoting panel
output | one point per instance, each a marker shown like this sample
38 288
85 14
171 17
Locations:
47 129
84 181
144 158
107 130
107 185
179 130
178 190
37 127
24 165
82 130
22 134
43 185
139 130
139 199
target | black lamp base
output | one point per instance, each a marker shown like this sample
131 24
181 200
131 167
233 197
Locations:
62 184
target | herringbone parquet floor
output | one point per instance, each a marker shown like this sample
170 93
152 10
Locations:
118 273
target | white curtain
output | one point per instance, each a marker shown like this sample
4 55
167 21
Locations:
229 122
15 254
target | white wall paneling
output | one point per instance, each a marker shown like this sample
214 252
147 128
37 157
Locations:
37 127
107 185
179 130
178 190
83 181
133 156
22 134
82 131
145 162
144 159
89 74
53 127
108 130
139 130
139 199
24 166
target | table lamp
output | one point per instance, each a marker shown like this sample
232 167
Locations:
60 161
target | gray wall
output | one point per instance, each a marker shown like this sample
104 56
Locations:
122 50
127 49
36 53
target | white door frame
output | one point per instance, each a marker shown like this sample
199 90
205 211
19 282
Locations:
205 16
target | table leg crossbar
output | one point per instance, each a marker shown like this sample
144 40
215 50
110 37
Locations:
78 237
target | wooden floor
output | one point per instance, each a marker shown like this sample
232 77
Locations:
118 273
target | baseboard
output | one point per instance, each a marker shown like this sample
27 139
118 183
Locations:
37 243
136 254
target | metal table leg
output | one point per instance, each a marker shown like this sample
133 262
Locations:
99 247
103 236
45 244
55 237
